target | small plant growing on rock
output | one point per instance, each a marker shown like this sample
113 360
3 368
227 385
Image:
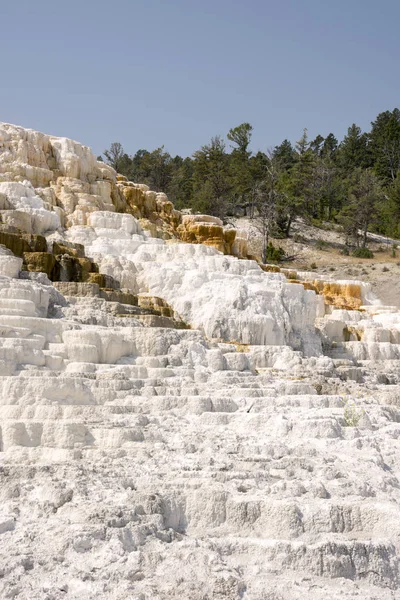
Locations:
313 265
351 413
363 253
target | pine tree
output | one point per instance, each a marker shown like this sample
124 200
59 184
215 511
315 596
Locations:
353 151
284 155
364 204
385 144
211 179
240 168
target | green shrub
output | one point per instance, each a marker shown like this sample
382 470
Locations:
345 251
363 253
275 254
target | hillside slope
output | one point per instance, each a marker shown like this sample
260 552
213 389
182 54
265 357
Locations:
323 248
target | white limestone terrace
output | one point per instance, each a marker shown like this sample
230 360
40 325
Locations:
147 463
226 298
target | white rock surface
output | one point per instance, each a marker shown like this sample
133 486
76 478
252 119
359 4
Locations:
149 463
228 299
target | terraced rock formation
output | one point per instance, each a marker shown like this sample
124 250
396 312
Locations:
176 422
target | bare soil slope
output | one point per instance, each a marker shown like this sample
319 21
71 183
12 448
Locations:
320 249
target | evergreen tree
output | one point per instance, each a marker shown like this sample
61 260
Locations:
211 180
158 167
329 146
389 217
180 189
316 145
353 151
137 169
364 204
295 185
240 168
385 144
285 155
302 178
241 136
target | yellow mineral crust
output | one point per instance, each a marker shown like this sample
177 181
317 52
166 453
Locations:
40 262
208 230
341 295
346 296
270 268
155 304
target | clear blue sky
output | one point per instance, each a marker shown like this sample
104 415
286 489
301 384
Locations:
153 72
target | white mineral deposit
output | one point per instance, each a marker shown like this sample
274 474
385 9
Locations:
246 449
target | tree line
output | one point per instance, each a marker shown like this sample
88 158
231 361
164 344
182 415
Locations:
354 182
